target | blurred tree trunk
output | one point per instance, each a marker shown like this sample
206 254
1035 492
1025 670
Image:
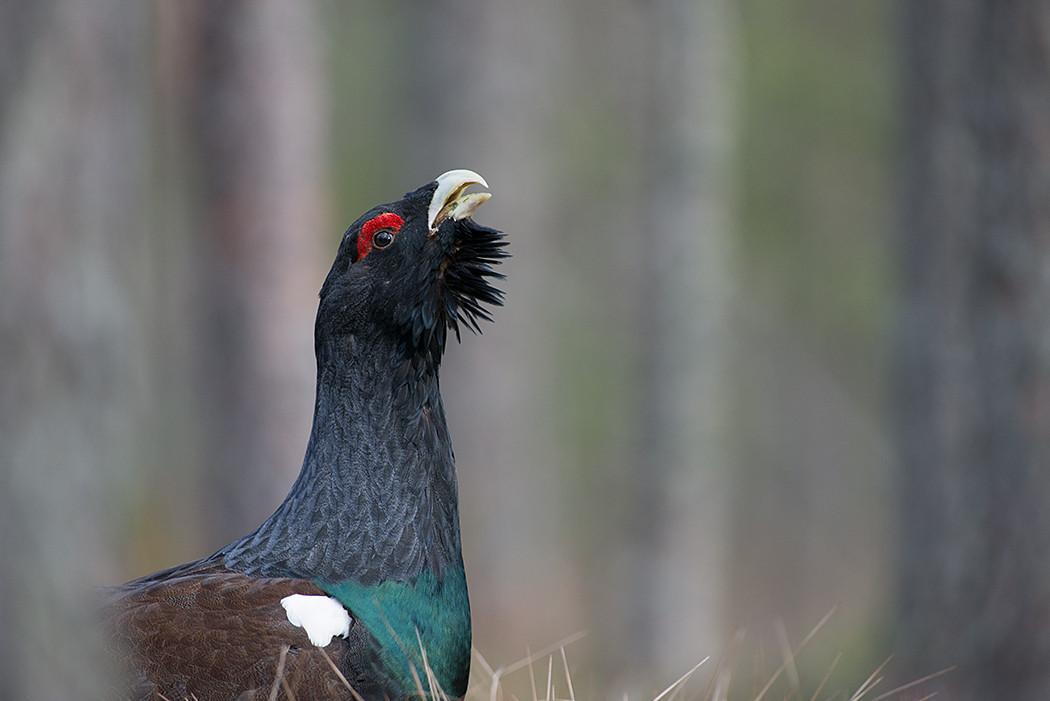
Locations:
678 516
251 99
107 346
974 347
76 287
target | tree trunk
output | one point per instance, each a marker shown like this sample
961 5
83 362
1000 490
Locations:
973 374
74 187
678 514
254 128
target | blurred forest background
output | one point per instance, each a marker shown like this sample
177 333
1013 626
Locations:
776 339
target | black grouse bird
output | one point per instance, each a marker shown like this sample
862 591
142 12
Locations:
361 563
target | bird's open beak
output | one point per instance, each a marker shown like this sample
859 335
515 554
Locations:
451 199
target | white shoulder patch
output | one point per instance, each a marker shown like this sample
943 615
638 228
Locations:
322 617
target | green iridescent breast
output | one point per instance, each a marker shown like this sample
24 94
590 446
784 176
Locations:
401 615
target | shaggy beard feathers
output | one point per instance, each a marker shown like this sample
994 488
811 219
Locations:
468 275
462 288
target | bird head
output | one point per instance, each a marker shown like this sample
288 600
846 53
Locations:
416 268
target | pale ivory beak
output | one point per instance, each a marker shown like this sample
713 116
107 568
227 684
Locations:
451 199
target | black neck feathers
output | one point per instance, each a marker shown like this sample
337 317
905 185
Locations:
376 497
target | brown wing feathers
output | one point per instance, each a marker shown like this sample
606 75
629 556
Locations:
209 633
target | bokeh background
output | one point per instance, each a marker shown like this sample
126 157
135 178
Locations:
776 340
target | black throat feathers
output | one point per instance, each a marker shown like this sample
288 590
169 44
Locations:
376 499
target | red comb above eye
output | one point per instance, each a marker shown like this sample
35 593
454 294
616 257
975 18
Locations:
386 220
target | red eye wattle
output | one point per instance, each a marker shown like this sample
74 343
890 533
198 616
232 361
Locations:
388 221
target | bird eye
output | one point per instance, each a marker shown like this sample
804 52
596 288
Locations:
382 239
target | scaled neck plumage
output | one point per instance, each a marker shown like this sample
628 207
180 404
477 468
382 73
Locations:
376 498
